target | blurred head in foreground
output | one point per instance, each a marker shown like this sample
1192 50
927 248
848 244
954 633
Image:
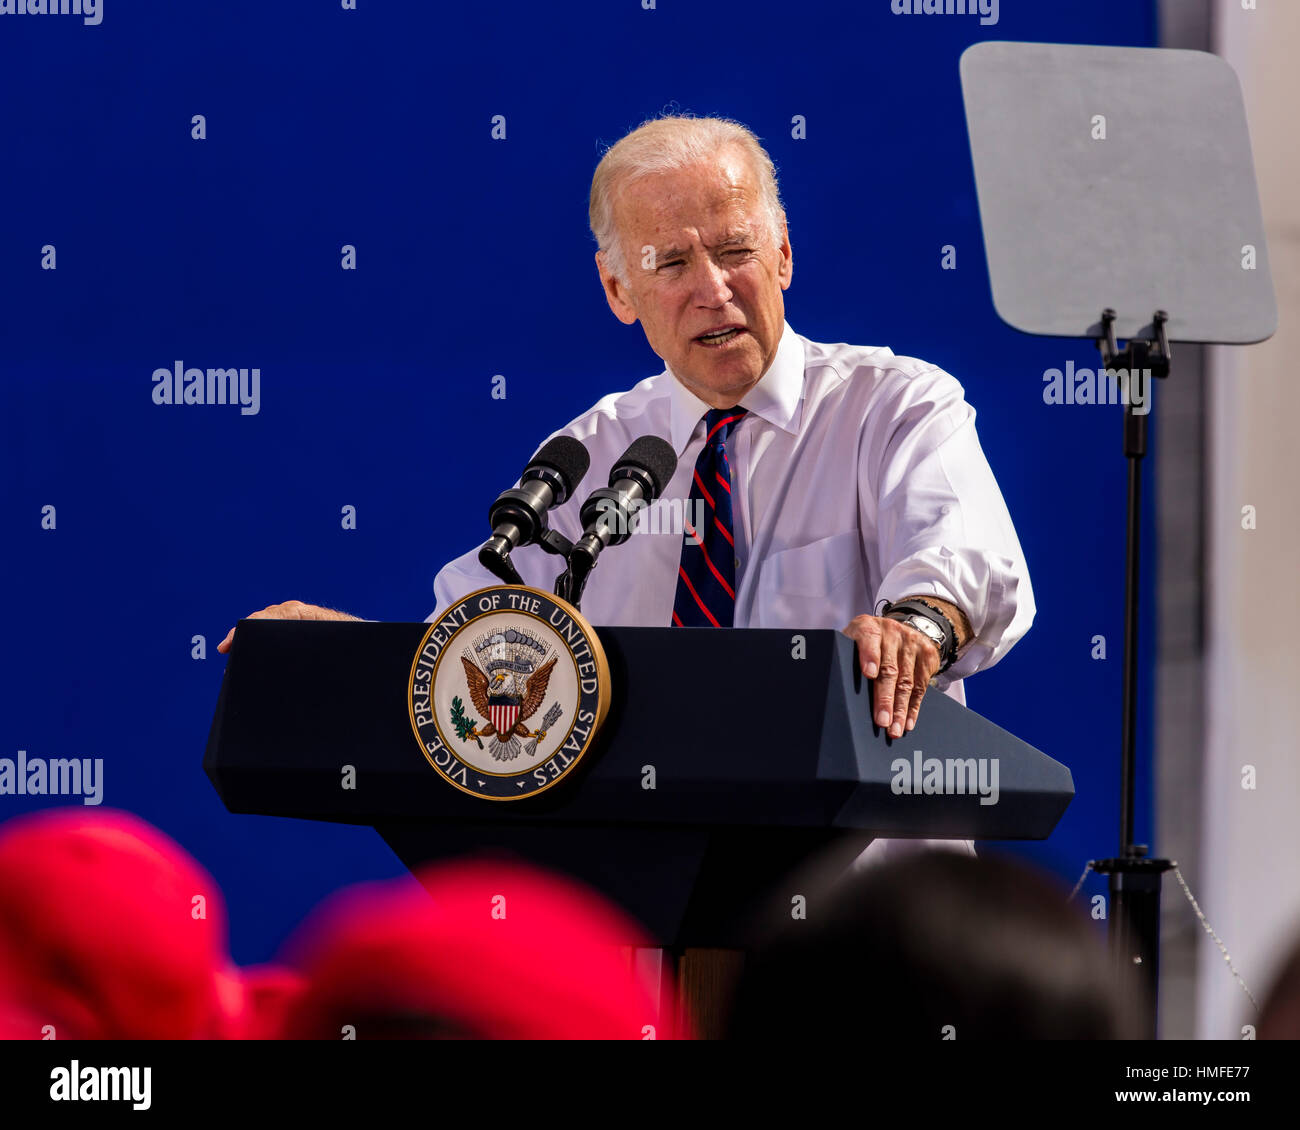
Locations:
109 930
476 950
938 945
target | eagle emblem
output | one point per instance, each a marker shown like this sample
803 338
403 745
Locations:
510 665
507 673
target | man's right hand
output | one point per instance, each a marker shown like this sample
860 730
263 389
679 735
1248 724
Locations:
289 610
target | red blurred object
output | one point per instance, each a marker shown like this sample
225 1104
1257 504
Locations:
108 930
489 950
19 1023
256 999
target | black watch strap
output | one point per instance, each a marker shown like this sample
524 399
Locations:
906 608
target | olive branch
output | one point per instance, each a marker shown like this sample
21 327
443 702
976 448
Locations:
465 727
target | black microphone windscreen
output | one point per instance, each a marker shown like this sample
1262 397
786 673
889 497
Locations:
655 456
566 456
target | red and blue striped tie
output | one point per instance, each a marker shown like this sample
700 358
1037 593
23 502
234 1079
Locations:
706 577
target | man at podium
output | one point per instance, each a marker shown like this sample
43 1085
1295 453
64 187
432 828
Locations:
817 485
833 480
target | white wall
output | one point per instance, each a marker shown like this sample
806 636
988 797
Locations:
1251 850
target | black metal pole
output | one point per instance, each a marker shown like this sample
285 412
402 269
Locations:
1135 880
1135 448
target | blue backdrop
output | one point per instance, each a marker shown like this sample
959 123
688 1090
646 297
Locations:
328 126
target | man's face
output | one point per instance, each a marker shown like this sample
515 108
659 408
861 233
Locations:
712 266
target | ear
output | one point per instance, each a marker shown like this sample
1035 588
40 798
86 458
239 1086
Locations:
616 294
785 268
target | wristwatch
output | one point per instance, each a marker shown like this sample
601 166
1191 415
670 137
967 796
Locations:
931 623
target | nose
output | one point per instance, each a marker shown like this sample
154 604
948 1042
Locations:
709 286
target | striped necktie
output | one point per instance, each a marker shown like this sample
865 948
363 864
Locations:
706 577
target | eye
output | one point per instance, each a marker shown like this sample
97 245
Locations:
670 263
741 251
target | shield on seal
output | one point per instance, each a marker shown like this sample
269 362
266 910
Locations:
504 712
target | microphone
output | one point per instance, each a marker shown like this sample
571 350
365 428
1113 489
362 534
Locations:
518 516
637 479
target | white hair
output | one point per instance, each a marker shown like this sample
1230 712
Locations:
665 144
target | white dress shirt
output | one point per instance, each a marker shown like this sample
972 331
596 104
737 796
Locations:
857 478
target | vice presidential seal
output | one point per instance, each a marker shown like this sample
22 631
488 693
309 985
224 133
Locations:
507 691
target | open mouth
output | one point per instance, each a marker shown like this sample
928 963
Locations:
720 337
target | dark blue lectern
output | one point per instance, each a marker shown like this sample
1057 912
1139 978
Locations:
764 756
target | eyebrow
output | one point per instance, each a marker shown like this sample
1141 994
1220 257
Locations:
745 236
671 253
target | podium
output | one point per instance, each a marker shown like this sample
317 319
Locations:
730 760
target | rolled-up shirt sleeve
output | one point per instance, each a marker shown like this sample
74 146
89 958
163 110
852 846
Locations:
942 526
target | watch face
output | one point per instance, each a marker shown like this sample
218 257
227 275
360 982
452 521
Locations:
931 630
928 627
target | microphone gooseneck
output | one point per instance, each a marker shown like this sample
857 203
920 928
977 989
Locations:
518 516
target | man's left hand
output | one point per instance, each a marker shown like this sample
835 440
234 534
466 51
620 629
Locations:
902 661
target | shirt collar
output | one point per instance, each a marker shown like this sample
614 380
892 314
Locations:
777 398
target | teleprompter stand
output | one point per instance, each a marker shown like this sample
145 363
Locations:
1135 877
1120 180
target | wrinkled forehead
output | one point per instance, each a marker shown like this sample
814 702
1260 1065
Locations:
717 197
